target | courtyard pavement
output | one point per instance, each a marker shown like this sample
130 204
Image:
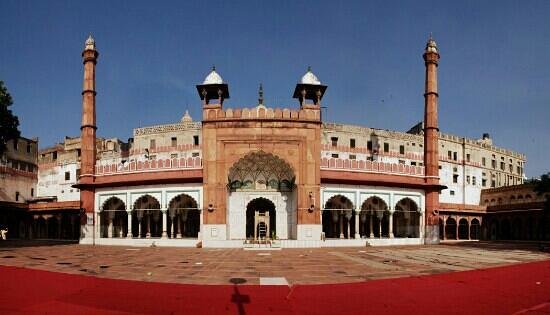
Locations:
286 266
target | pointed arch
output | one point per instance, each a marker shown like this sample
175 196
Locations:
261 170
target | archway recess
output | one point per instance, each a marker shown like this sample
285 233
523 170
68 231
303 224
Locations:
261 171
338 217
263 206
183 217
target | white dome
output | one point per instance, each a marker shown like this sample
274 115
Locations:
186 117
310 78
213 78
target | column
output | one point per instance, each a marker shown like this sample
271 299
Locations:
380 228
172 235
129 234
444 229
469 228
110 229
341 219
357 235
457 228
178 227
148 226
139 227
421 225
391 224
370 226
164 223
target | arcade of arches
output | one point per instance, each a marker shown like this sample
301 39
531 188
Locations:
375 219
467 228
147 220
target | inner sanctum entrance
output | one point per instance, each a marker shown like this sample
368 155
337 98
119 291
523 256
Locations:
261 219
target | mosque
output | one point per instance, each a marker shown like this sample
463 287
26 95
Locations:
274 177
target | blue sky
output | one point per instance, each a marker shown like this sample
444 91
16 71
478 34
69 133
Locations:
493 77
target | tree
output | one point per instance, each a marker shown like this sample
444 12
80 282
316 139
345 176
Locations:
542 187
9 123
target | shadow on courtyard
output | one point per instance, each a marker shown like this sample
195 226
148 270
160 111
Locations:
499 246
34 243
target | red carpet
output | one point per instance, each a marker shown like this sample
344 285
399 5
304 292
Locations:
521 289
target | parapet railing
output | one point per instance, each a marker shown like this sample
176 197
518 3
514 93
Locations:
146 166
372 167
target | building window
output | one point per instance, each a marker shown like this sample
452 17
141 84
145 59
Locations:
153 157
473 180
493 183
16 196
440 167
414 164
77 173
352 157
334 141
468 157
174 156
28 147
78 152
455 178
352 143
483 161
67 176
32 192
369 145
455 156
502 166
195 154
455 169
335 155
54 155
493 164
511 167
450 155
174 142
195 140
468 179
483 182
401 149
386 147
402 162
452 192
152 144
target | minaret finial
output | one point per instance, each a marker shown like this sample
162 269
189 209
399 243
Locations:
90 43
213 67
308 68
261 95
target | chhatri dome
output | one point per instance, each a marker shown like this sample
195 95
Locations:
186 117
431 46
310 78
213 77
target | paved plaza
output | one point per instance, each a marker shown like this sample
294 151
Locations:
286 266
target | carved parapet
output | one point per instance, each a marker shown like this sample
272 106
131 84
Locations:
261 112
371 167
150 166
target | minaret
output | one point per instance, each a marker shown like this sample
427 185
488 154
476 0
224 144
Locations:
88 129
309 88
431 135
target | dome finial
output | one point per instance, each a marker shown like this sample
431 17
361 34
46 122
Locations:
308 68
186 117
213 67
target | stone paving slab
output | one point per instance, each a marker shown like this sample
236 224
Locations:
296 266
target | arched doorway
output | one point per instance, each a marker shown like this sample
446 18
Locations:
146 217
338 218
264 207
505 229
255 179
114 218
374 215
474 229
406 219
463 229
183 217
450 229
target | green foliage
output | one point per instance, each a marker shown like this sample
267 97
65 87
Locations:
542 187
9 123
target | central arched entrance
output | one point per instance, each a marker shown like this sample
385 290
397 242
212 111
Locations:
263 182
262 207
